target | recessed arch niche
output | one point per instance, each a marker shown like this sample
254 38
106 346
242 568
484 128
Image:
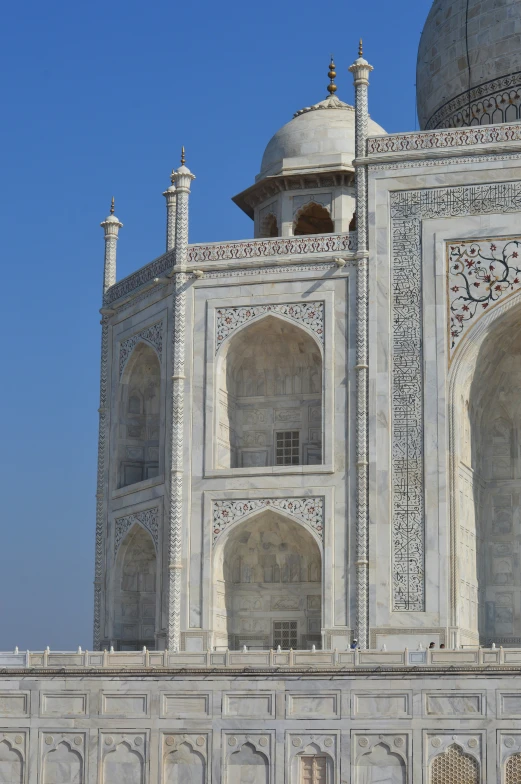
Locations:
11 764
267 584
138 442
313 218
269 412
135 591
486 432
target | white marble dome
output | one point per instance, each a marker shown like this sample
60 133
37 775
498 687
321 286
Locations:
319 137
469 64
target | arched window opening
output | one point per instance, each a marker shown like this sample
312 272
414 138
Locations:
352 223
268 574
139 417
269 226
313 769
313 219
488 487
135 610
270 398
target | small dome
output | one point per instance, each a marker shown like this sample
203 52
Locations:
486 36
319 137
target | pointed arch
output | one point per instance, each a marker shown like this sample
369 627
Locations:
267 577
269 226
381 764
139 416
11 764
135 590
269 407
123 764
63 765
485 475
313 218
184 765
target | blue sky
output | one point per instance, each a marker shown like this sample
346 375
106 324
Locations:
97 99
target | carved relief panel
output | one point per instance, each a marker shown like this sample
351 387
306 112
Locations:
122 757
63 757
13 757
379 758
184 758
247 758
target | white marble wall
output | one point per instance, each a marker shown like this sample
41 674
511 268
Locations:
381 727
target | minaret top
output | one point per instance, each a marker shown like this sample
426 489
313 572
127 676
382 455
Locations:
182 176
361 68
111 218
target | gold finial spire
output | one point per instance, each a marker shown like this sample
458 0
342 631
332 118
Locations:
360 49
331 88
183 159
112 206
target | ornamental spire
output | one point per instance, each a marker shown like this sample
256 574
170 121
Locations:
183 159
360 49
331 88
112 206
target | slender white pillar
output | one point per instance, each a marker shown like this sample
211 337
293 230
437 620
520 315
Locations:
111 226
170 196
361 70
183 178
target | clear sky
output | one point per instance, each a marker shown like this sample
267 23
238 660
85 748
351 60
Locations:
97 99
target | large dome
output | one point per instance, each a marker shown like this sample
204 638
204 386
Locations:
319 137
469 64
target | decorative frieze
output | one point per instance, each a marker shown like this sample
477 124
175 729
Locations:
435 140
233 251
480 273
152 335
307 510
310 314
408 209
149 519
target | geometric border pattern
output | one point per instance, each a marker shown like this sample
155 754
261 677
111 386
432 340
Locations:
152 335
149 519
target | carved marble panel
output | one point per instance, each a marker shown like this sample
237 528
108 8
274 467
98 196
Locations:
63 757
152 335
122 757
309 314
13 757
149 519
307 510
185 758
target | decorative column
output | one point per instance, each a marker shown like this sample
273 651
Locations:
361 70
170 196
111 226
183 178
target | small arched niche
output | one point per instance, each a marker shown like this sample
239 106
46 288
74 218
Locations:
381 765
139 417
487 482
135 591
268 585
270 397
123 764
62 765
313 218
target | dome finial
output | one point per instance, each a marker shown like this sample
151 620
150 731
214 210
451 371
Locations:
183 159
331 88
112 206
360 48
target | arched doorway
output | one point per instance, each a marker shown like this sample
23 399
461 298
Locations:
135 591
270 397
486 425
268 584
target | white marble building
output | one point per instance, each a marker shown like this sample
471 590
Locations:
307 438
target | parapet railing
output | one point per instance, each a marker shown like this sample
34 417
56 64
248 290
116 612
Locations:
445 138
261 659
236 251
